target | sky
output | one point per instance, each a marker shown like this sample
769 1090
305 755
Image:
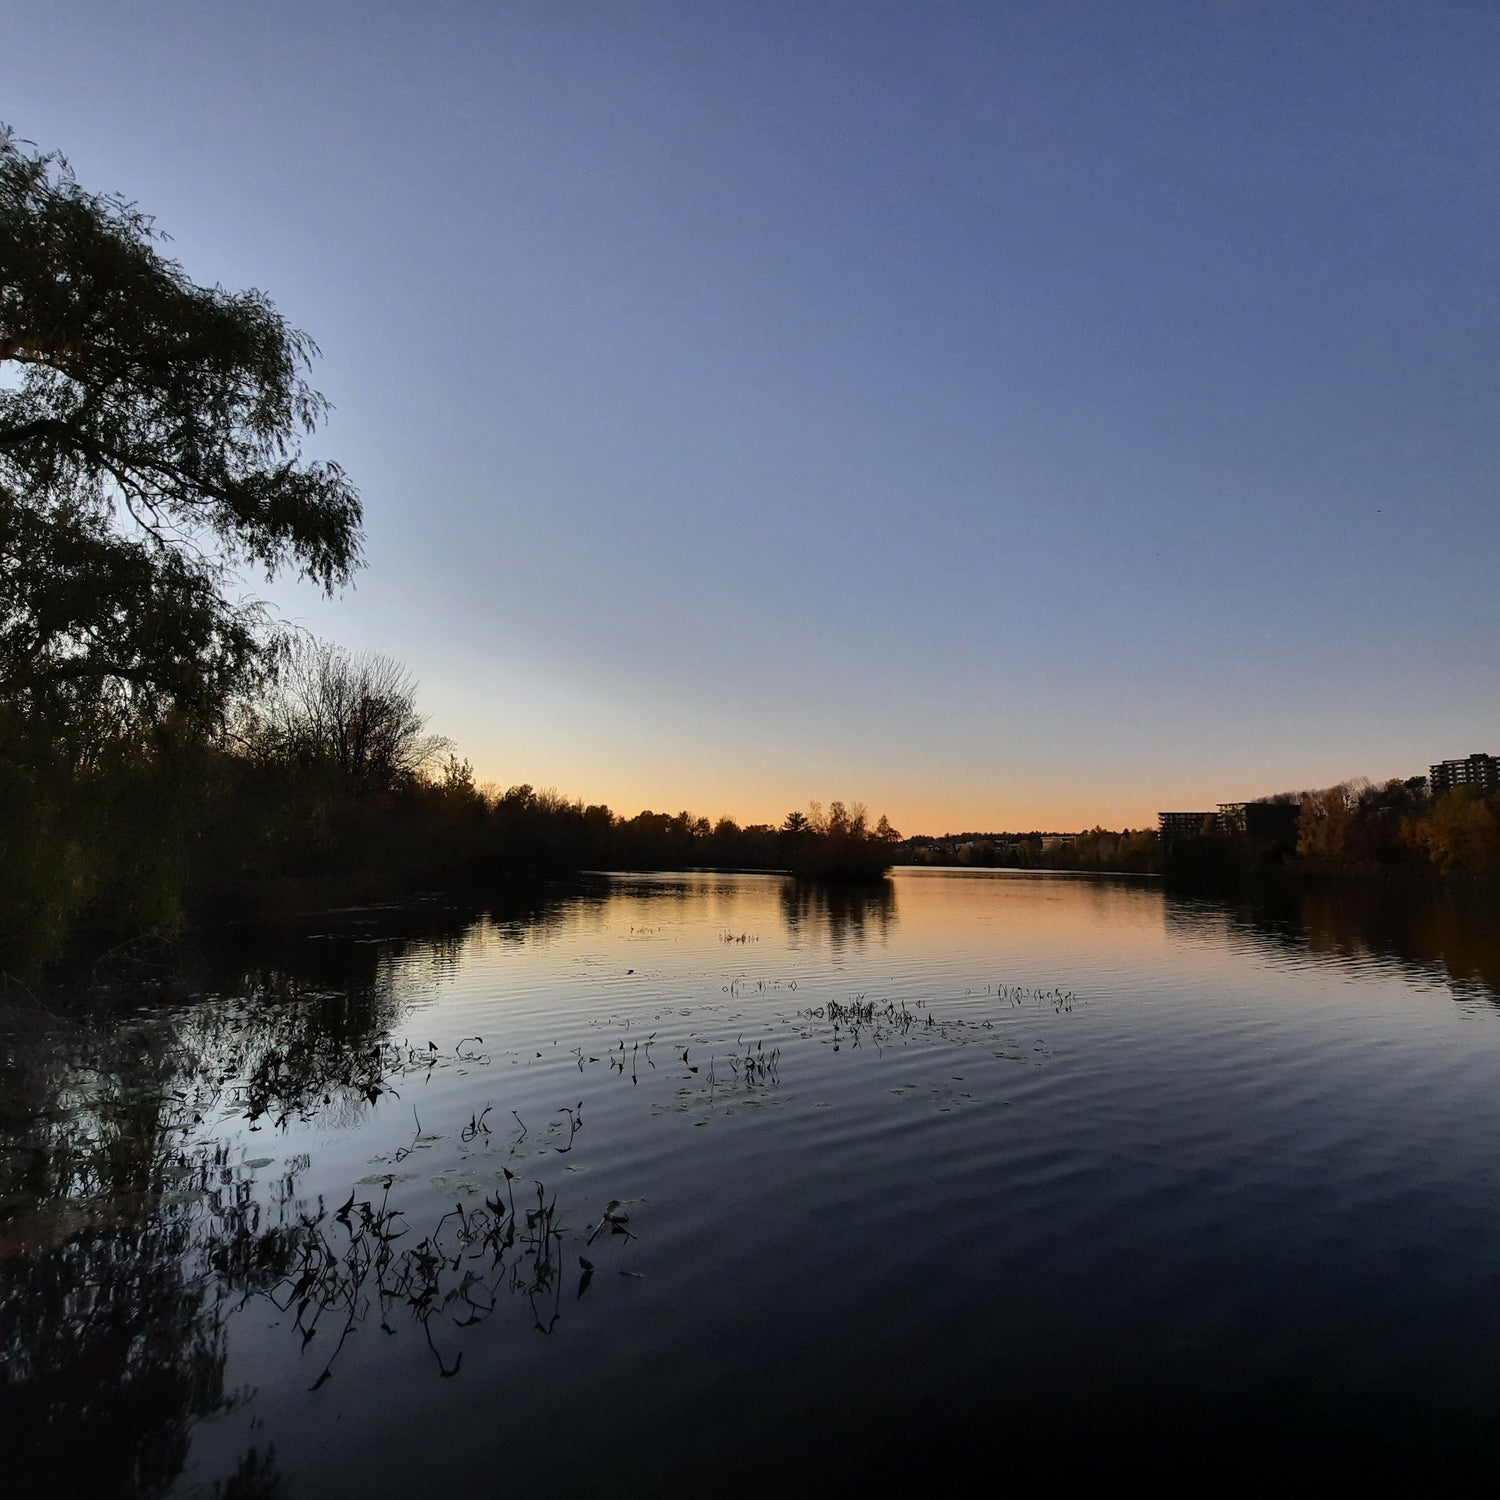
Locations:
1006 415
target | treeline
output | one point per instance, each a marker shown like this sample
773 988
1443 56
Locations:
1136 851
1358 827
322 780
1355 828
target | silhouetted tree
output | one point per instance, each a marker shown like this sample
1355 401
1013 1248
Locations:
149 443
149 447
352 712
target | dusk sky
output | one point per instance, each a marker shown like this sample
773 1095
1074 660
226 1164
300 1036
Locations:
1009 415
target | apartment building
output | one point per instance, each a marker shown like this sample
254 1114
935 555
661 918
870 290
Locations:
1479 771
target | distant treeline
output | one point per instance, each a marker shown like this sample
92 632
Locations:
322 780
1136 851
1361 826
1354 828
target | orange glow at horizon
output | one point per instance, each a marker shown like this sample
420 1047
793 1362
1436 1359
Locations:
757 798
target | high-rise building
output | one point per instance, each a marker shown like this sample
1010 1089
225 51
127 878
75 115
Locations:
1480 771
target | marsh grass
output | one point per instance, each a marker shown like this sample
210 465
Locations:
351 1265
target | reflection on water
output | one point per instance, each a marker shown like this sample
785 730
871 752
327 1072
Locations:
1440 933
111 1317
1036 1139
845 913
129 1227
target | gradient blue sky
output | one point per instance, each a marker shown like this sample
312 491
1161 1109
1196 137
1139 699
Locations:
1008 415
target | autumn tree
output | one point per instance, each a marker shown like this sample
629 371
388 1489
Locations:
1460 835
1330 831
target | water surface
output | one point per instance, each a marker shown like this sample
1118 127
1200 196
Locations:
667 1179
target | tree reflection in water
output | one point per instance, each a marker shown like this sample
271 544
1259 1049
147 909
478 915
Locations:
1431 931
845 911
129 1235
113 1336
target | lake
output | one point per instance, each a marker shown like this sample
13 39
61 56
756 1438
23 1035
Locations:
654 1180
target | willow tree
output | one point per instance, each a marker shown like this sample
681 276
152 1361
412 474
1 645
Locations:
150 452
151 459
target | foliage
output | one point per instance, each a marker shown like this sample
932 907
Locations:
1329 828
349 715
1360 827
1460 835
1131 851
149 443
150 446
1134 851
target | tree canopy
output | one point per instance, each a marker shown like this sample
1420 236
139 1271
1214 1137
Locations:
351 713
150 445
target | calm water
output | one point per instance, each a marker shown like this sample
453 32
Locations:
714 1179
